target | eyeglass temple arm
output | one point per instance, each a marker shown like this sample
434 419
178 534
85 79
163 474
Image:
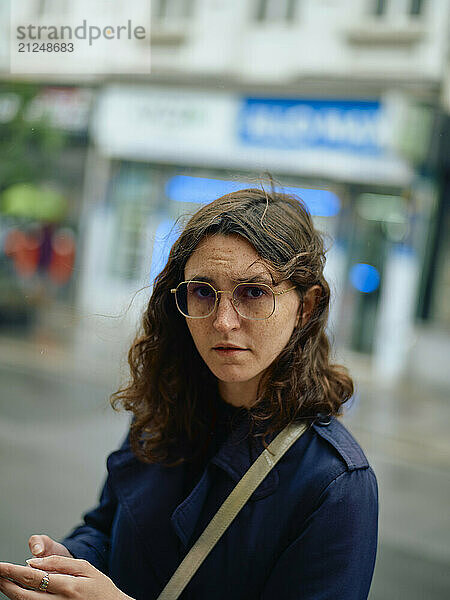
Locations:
284 291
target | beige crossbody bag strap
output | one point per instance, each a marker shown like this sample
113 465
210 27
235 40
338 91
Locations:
229 509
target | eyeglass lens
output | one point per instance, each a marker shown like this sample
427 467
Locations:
252 301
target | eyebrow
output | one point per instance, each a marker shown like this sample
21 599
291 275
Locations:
254 279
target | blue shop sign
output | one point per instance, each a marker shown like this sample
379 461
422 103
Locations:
348 126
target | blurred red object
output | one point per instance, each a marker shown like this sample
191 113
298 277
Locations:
31 252
24 249
63 256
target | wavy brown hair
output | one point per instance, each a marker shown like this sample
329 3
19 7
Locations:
172 392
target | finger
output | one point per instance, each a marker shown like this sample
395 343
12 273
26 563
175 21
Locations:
24 577
15 591
62 564
29 578
18 573
36 544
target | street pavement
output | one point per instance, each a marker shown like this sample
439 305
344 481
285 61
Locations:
57 428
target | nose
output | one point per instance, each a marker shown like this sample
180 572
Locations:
226 318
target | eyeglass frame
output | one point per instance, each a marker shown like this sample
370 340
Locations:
174 291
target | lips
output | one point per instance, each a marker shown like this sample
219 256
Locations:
228 347
229 351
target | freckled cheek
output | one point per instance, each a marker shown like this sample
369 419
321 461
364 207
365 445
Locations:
278 334
264 341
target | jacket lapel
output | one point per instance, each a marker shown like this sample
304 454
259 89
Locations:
153 496
234 457
149 493
185 517
239 452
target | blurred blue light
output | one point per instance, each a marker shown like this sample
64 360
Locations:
185 188
165 236
364 278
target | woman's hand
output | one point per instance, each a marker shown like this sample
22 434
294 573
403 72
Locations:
69 579
42 545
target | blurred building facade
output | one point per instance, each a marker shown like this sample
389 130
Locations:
339 99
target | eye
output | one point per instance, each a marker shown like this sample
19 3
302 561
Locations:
252 292
202 291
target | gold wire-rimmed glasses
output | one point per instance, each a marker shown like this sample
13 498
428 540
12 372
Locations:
198 299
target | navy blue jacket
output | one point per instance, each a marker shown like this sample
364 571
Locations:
309 531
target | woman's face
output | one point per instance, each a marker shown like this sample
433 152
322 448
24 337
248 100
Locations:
222 259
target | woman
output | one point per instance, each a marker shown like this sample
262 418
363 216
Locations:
233 348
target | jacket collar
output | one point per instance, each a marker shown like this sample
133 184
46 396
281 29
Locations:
151 493
238 453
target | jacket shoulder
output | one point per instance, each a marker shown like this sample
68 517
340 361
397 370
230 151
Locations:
334 432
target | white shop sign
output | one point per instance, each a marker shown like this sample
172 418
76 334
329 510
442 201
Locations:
340 139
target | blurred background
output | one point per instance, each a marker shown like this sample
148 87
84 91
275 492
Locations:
344 102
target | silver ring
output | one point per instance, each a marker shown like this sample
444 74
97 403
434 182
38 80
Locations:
44 583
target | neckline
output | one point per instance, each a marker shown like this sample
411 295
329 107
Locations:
224 412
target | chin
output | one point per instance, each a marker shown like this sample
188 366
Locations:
231 376
234 379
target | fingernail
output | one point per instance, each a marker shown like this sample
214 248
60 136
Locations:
34 560
37 548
